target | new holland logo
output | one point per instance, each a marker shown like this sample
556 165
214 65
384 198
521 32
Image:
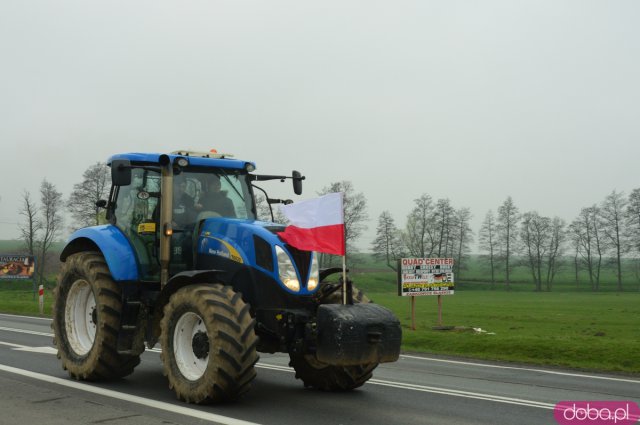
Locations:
222 248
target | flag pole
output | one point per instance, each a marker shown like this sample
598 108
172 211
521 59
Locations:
344 256
344 279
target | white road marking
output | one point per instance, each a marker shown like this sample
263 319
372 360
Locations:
25 331
25 317
18 347
436 390
41 350
551 372
465 394
8 344
172 408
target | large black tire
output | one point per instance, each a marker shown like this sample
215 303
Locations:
322 376
208 344
86 318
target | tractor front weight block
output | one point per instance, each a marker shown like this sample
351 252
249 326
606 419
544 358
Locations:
357 334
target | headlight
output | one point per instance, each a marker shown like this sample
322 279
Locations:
286 270
314 273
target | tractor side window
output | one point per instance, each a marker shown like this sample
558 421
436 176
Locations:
237 191
134 215
137 202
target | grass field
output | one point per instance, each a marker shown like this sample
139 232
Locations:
17 297
566 327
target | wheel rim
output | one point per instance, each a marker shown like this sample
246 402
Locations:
191 346
80 317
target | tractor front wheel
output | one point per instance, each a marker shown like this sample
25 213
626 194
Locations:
208 344
87 308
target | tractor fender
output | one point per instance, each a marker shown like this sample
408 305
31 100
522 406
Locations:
113 245
176 282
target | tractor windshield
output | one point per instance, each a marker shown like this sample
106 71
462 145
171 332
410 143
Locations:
198 194
216 192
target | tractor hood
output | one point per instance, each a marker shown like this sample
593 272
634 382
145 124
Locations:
256 244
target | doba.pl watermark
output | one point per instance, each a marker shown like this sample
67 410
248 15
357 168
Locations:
597 412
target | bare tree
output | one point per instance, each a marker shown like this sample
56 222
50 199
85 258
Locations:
555 252
488 241
463 238
508 218
633 220
443 217
29 228
31 225
534 234
613 217
419 235
83 198
50 200
387 244
586 231
264 211
355 213
575 245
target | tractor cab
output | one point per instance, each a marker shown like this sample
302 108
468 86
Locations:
160 203
198 193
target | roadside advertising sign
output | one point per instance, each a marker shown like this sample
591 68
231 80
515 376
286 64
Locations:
425 276
16 267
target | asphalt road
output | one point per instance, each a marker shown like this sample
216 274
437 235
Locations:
415 390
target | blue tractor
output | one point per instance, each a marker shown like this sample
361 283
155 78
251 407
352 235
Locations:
185 262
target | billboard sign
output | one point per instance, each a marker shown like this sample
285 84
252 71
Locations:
425 276
16 267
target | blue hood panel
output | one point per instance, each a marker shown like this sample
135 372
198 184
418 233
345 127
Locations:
234 239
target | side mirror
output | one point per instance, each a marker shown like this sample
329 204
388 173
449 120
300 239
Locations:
121 172
297 182
101 203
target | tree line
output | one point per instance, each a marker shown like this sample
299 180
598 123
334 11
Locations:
601 236
43 223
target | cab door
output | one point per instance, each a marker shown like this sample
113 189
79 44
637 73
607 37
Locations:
135 210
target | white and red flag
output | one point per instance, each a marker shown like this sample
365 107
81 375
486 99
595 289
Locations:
316 224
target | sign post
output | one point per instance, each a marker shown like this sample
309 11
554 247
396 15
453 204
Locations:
41 299
413 313
425 276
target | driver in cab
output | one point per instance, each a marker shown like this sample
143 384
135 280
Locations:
213 198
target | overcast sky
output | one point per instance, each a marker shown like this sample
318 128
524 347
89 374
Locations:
469 100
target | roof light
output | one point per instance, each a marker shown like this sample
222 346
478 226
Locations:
213 153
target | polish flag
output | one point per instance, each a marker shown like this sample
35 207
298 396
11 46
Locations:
316 224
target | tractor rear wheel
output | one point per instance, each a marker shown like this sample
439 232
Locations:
208 344
316 374
87 307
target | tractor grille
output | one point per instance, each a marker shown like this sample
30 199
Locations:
264 256
302 260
